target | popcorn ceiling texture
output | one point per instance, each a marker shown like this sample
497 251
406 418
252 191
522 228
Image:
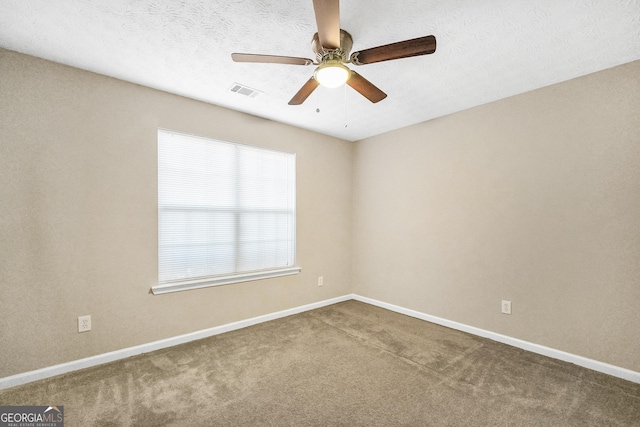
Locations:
486 51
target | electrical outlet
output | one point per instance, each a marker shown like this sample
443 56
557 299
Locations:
506 307
84 323
320 281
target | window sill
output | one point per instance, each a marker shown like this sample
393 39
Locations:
165 288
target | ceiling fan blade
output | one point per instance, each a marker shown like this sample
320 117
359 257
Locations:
304 92
270 59
403 49
328 20
365 88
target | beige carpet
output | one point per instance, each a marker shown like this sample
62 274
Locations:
349 364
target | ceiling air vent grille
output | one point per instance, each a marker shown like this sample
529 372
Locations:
245 90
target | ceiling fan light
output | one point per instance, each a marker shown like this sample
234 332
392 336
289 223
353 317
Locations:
332 74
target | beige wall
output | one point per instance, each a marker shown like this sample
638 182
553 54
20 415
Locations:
78 215
533 199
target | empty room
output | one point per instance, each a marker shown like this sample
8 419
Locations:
319 212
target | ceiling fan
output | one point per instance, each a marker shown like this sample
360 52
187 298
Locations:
332 46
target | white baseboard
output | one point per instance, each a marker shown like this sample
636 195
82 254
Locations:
595 365
99 359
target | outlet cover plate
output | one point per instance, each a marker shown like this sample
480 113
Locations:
506 307
84 323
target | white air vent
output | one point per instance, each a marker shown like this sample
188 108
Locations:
245 90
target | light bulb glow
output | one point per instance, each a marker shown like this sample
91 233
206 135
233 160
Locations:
332 74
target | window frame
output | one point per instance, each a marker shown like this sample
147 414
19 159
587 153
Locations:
182 284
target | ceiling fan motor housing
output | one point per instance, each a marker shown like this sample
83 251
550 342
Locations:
341 54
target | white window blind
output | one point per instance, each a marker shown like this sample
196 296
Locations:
226 212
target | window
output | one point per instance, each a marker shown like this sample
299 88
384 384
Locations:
226 212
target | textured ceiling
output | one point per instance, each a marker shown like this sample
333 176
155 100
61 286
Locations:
486 51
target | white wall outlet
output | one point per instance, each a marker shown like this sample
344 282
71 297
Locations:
84 323
506 307
320 280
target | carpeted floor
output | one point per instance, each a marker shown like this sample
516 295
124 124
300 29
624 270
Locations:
349 364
